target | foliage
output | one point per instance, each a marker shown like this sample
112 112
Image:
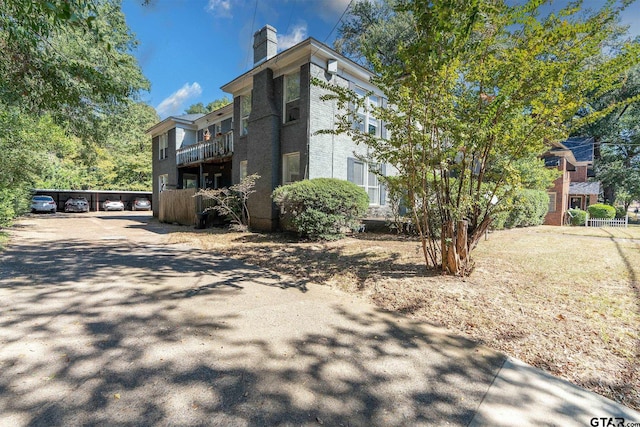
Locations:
528 208
322 208
212 106
601 211
578 216
621 212
232 202
482 86
374 29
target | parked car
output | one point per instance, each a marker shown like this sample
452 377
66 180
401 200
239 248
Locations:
79 204
141 204
43 204
113 205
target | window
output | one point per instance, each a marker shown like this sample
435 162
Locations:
290 168
189 180
552 202
365 175
163 146
217 180
162 182
243 170
292 97
364 115
245 110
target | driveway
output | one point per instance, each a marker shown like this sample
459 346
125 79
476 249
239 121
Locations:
102 322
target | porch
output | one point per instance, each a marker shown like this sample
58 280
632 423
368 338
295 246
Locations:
217 147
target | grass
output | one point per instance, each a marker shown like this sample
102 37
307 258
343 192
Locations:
565 299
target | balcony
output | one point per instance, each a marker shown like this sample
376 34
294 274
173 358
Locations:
217 148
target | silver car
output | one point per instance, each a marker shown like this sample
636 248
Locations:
113 205
79 204
43 204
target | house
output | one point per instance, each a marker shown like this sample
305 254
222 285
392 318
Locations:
574 159
271 129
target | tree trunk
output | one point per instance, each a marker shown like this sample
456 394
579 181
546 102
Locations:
455 249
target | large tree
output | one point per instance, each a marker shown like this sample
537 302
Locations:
482 86
212 106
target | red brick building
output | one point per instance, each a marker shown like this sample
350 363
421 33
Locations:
572 189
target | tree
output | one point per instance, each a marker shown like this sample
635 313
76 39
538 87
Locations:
199 108
482 86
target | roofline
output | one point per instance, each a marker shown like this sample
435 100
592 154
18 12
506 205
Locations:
92 191
309 42
167 121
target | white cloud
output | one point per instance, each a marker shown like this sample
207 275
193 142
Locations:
297 34
220 8
173 104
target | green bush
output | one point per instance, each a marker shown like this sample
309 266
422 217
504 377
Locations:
621 212
528 208
321 208
601 211
578 216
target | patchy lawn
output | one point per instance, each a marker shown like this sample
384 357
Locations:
4 238
565 299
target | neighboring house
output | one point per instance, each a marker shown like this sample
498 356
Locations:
271 129
574 158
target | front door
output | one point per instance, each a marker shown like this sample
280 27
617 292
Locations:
575 202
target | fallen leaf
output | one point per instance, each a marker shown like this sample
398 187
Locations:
117 395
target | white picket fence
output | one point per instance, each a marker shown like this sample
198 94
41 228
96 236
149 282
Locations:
617 222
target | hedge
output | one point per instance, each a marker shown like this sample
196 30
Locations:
601 211
321 208
529 208
578 216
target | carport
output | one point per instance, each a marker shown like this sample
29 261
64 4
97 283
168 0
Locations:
94 197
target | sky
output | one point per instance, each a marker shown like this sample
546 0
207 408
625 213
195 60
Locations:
189 48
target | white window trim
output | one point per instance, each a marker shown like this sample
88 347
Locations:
378 187
163 146
243 169
285 101
285 170
553 201
244 130
162 182
366 113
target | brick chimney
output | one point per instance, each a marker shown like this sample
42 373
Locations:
265 44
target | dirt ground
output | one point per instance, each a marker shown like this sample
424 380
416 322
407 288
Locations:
563 299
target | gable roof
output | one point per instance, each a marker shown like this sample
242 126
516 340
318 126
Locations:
581 147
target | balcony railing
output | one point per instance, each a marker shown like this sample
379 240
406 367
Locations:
218 147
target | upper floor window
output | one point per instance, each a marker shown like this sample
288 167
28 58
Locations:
290 168
245 110
292 97
365 119
163 146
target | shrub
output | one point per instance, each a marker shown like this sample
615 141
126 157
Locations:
578 216
321 208
621 212
601 211
528 208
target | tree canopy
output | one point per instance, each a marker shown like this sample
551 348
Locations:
212 106
482 86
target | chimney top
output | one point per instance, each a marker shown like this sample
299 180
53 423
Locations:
265 44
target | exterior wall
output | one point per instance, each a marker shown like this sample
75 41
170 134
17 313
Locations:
263 150
294 136
580 175
327 153
561 188
165 166
239 143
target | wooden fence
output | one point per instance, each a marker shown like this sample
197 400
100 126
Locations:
178 206
617 222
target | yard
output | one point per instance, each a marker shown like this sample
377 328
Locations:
563 299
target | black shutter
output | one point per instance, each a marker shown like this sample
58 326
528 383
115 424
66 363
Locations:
350 162
383 188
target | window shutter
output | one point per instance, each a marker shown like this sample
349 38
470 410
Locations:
350 161
383 188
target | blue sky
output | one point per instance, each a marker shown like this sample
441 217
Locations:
189 48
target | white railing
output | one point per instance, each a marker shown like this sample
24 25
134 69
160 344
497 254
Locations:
617 222
220 146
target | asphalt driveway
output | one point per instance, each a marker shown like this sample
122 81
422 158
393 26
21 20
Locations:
102 323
